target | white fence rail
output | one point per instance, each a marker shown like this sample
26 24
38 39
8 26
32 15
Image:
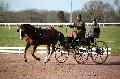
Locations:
41 24
8 50
54 24
105 24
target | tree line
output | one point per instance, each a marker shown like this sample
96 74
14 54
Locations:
103 12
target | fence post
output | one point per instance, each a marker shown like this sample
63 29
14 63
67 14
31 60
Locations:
9 27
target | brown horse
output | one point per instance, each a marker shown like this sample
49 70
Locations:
35 37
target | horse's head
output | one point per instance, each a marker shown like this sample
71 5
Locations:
21 30
18 28
25 29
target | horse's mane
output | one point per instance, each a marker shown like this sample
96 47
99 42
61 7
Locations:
28 27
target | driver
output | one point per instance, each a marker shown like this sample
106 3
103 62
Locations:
80 28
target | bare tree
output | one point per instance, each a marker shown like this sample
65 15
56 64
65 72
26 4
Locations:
117 3
98 9
3 10
61 16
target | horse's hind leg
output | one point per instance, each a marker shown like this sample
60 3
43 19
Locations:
48 54
53 49
34 48
27 46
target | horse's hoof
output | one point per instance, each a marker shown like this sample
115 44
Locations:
25 60
38 59
46 61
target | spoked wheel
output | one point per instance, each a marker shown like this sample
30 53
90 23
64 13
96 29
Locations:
60 55
100 52
81 55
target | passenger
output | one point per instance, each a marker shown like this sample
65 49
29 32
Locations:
94 31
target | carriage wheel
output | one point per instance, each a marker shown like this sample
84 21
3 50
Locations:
100 52
60 55
81 55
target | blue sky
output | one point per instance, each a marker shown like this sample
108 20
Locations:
46 4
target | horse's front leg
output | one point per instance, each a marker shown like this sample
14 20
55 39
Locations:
27 46
34 49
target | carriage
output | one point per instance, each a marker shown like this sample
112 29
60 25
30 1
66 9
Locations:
82 49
